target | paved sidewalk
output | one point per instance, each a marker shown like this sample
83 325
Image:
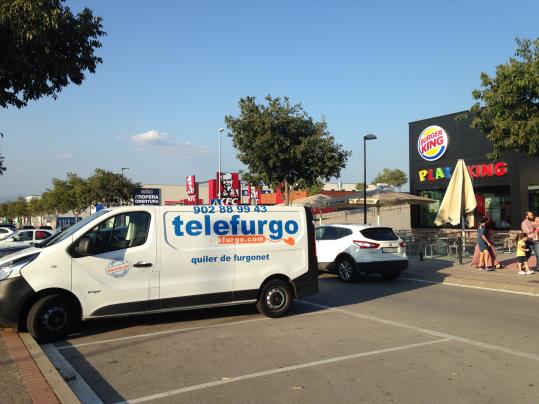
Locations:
12 389
448 271
21 381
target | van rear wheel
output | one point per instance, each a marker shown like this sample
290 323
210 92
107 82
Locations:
50 318
275 298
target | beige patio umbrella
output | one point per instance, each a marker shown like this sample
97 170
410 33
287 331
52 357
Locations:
459 199
317 201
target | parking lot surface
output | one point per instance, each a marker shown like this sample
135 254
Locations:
371 341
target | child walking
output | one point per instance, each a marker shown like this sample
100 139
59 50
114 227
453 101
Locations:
522 255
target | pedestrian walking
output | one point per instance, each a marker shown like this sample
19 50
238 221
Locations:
522 255
528 226
484 245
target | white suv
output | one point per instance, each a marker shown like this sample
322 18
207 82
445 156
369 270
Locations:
351 249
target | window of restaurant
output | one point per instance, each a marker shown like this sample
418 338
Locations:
533 198
494 202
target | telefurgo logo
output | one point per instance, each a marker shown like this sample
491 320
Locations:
432 143
237 230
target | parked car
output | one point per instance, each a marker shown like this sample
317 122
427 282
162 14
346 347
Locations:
5 232
46 227
27 227
349 250
25 238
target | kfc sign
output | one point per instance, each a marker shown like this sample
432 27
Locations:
229 188
191 188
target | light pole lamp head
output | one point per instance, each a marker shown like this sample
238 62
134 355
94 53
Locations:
221 130
369 136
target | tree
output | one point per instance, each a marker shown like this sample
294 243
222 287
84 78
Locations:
44 47
360 186
59 199
507 108
81 198
316 188
110 189
282 146
2 166
396 177
35 207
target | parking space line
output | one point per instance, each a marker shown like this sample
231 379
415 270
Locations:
180 330
280 370
433 333
513 292
81 389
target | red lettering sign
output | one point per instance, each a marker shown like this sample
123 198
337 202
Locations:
475 170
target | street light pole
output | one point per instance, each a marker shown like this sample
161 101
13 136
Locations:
369 136
221 130
123 169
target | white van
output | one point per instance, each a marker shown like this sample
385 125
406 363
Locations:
134 260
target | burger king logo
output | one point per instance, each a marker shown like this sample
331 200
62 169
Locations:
432 143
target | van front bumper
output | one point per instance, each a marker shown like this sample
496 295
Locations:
14 293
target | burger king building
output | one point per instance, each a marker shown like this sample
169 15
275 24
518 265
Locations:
505 189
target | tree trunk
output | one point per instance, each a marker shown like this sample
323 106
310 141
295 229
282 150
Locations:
286 193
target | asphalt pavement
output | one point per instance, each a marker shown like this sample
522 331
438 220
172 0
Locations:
443 333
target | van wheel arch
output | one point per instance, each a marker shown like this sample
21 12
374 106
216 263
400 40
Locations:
281 277
75 303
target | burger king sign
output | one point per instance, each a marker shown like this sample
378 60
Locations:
432 143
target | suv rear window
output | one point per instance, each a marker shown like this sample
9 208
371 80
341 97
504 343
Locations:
380 234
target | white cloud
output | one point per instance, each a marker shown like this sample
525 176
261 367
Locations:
65 156
155 140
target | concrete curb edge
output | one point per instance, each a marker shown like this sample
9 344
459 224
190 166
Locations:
50 373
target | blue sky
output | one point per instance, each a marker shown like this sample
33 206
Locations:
173 69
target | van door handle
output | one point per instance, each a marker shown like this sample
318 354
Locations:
142 264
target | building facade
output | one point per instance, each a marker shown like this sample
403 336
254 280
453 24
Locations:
505 189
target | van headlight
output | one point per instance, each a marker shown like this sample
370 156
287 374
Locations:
13 268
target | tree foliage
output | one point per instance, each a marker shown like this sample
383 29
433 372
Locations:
360 186
396 177
2 166
74 194
44 47
110 189
507 108
282 145
316 188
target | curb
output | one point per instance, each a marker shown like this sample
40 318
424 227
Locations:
50 373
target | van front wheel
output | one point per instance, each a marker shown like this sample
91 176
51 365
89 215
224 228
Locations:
50 318
275 298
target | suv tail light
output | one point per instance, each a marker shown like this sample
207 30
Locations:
402 244
366 244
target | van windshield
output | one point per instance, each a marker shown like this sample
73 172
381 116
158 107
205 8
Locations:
71 230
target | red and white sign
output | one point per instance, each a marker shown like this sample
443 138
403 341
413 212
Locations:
230 188
191 188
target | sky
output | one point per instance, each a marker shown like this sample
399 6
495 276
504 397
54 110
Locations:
172 70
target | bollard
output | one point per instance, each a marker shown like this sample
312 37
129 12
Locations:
460 249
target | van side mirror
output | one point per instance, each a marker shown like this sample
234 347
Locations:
86 246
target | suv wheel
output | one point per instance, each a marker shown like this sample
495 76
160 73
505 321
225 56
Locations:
346 269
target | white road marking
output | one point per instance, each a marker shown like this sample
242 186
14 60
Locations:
471 287
433 333
279 370
81 389
175 331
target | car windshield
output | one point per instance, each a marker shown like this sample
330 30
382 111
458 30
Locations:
70 231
